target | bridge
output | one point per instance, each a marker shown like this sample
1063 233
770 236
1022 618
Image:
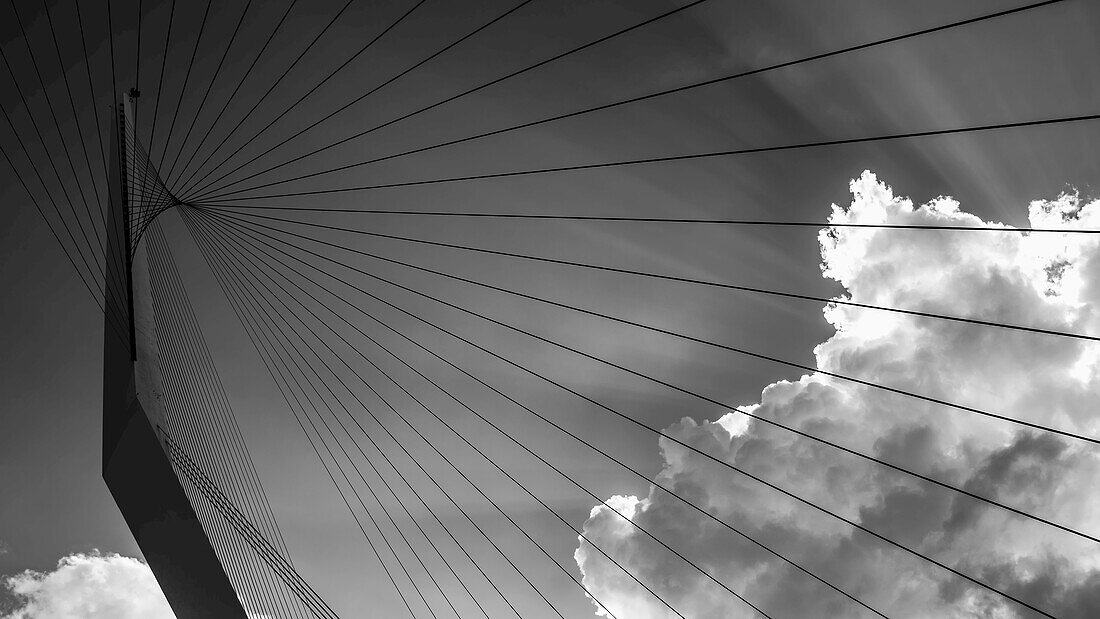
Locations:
469 345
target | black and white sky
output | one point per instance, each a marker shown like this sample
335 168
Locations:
65 549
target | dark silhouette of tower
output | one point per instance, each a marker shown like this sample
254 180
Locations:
136 465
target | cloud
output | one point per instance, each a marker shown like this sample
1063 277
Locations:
89 586
1048 280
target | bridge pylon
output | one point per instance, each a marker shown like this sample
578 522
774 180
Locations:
136 464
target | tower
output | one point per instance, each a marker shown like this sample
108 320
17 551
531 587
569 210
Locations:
136 463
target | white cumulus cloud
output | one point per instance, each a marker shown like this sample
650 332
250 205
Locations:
89 586
1046 280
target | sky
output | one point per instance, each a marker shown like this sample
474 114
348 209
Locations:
58 520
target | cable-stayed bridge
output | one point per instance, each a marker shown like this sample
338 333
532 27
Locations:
420 356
